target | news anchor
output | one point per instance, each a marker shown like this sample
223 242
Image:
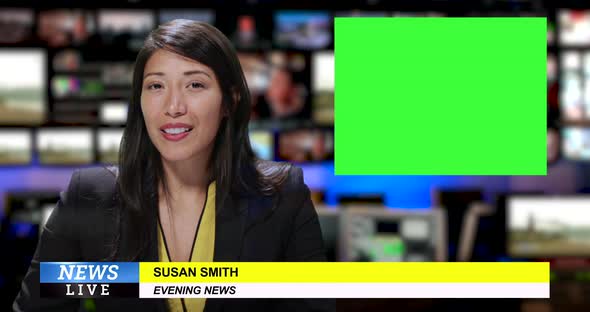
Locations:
188 186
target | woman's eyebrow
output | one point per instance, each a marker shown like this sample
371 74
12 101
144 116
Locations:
193 72
154 74
187 73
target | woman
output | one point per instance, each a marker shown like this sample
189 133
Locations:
188 186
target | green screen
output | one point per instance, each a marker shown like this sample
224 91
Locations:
440 96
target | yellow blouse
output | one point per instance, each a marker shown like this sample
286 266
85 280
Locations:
203 248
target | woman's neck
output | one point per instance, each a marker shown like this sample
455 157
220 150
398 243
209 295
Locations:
185 178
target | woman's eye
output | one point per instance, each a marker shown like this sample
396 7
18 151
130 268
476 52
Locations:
196 85
154 86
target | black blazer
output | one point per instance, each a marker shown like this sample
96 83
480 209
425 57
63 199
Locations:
283 227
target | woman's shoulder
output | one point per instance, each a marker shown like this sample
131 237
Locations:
286 176
94 183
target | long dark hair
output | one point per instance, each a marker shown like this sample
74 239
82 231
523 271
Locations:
234 166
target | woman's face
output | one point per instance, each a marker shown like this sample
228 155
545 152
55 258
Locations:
181 105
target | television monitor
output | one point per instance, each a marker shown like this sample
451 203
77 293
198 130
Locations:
113 112
125 29
262 143
305 30
68 60
250 31
541 226
16 146
108 142
75 112
65 146
573 92
322 80
279 85
393 235
77 87
117 74
22 86
16 25
574 27
65 27
322 71
306 145
576 143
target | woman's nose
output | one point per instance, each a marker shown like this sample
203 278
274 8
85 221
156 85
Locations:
176 106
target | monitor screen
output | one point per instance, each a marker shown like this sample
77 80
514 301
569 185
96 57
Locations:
279 85
67 60
113 112
16 25
250 31
322 71
262 143
75 87
125 29
306 145
574 27
59 28
304 30
548 226
117 74
576 143
65 146
574 89
109 141
392 235
22 86
16 146
322 79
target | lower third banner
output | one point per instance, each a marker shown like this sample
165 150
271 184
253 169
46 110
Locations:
296 280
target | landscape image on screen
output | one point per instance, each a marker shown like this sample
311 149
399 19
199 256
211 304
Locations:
108 145
65 146
22 85
15 147
548 227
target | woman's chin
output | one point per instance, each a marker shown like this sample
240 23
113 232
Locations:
172 158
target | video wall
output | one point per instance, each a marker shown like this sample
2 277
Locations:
67 73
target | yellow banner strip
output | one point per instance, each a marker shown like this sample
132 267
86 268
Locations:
344 272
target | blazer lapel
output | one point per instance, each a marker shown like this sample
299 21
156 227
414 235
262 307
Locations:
230 223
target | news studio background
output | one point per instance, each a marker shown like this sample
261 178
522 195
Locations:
65 81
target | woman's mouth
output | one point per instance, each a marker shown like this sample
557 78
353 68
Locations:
175 134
